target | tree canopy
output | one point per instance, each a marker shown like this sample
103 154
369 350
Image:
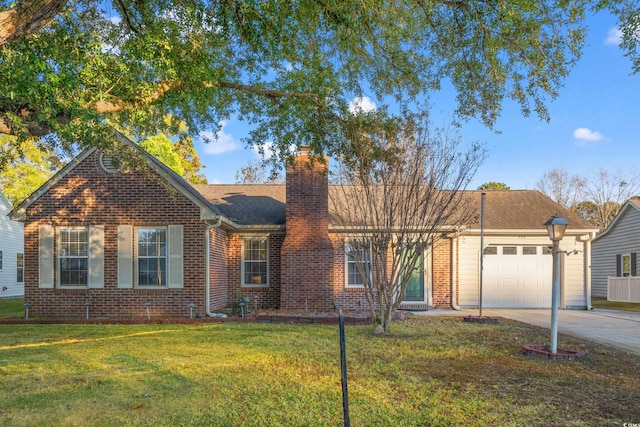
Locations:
493 185
289 69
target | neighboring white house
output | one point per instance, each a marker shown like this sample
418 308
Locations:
614 250
11 253
517 266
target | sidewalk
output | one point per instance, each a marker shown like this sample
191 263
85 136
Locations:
619 329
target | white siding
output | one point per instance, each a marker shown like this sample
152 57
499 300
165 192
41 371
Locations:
11 244
469 266
622 238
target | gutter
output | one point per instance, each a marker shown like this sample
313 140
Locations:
587 265
454 276
208 268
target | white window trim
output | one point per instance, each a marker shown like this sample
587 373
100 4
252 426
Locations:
59 230
347 243
242 262
137 257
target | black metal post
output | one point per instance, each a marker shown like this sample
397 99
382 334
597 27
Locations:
343 366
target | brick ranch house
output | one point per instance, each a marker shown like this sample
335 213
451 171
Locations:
120 243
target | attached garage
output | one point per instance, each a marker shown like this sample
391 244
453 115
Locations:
517 276
517 261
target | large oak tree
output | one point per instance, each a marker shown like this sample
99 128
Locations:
289 69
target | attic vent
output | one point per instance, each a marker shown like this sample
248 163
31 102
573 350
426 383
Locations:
107 163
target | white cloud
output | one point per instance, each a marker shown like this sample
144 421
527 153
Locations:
585 134
614 36
363 104
267 150
220 142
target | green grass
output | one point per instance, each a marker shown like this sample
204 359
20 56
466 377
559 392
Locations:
613 305
430 371
12 307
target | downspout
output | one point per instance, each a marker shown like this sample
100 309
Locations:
454 275
587 266
208 269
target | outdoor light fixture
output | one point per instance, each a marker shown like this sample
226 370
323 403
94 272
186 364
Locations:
556 225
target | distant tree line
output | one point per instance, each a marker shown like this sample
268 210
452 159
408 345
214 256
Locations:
596 199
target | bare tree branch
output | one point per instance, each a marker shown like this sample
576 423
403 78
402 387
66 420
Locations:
394 205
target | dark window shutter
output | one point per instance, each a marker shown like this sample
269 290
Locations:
618 265
633 264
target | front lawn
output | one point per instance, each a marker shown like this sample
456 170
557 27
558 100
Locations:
431 371
12 307
613 305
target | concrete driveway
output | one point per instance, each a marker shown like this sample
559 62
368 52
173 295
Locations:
619 329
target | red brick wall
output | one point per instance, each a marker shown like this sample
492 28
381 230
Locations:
440 271
349 299
307 253
269 296
441 275
89 196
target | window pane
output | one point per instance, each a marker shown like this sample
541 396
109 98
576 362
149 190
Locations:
152 271
20 268
626 265
73 256
491 250
254 261
529 250
509 250
152 242
73 271
152 253
353 256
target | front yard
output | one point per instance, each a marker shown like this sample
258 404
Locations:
432 371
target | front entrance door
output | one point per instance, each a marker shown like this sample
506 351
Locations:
415 287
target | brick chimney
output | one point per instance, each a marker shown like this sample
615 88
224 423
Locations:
307 252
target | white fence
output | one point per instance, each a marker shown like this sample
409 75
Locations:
623 289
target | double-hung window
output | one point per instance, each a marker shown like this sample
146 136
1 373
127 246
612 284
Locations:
353 256
152 256
255 255
73 256
20 268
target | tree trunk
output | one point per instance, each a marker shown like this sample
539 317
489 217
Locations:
27 17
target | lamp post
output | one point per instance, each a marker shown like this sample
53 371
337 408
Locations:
556 225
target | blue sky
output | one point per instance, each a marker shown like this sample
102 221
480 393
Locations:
592 127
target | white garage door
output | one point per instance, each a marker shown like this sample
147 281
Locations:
517 276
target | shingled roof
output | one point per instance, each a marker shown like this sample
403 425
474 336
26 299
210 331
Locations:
264 204
248 204
520 209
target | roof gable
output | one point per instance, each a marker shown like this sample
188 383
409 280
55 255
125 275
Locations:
632 205
207 210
